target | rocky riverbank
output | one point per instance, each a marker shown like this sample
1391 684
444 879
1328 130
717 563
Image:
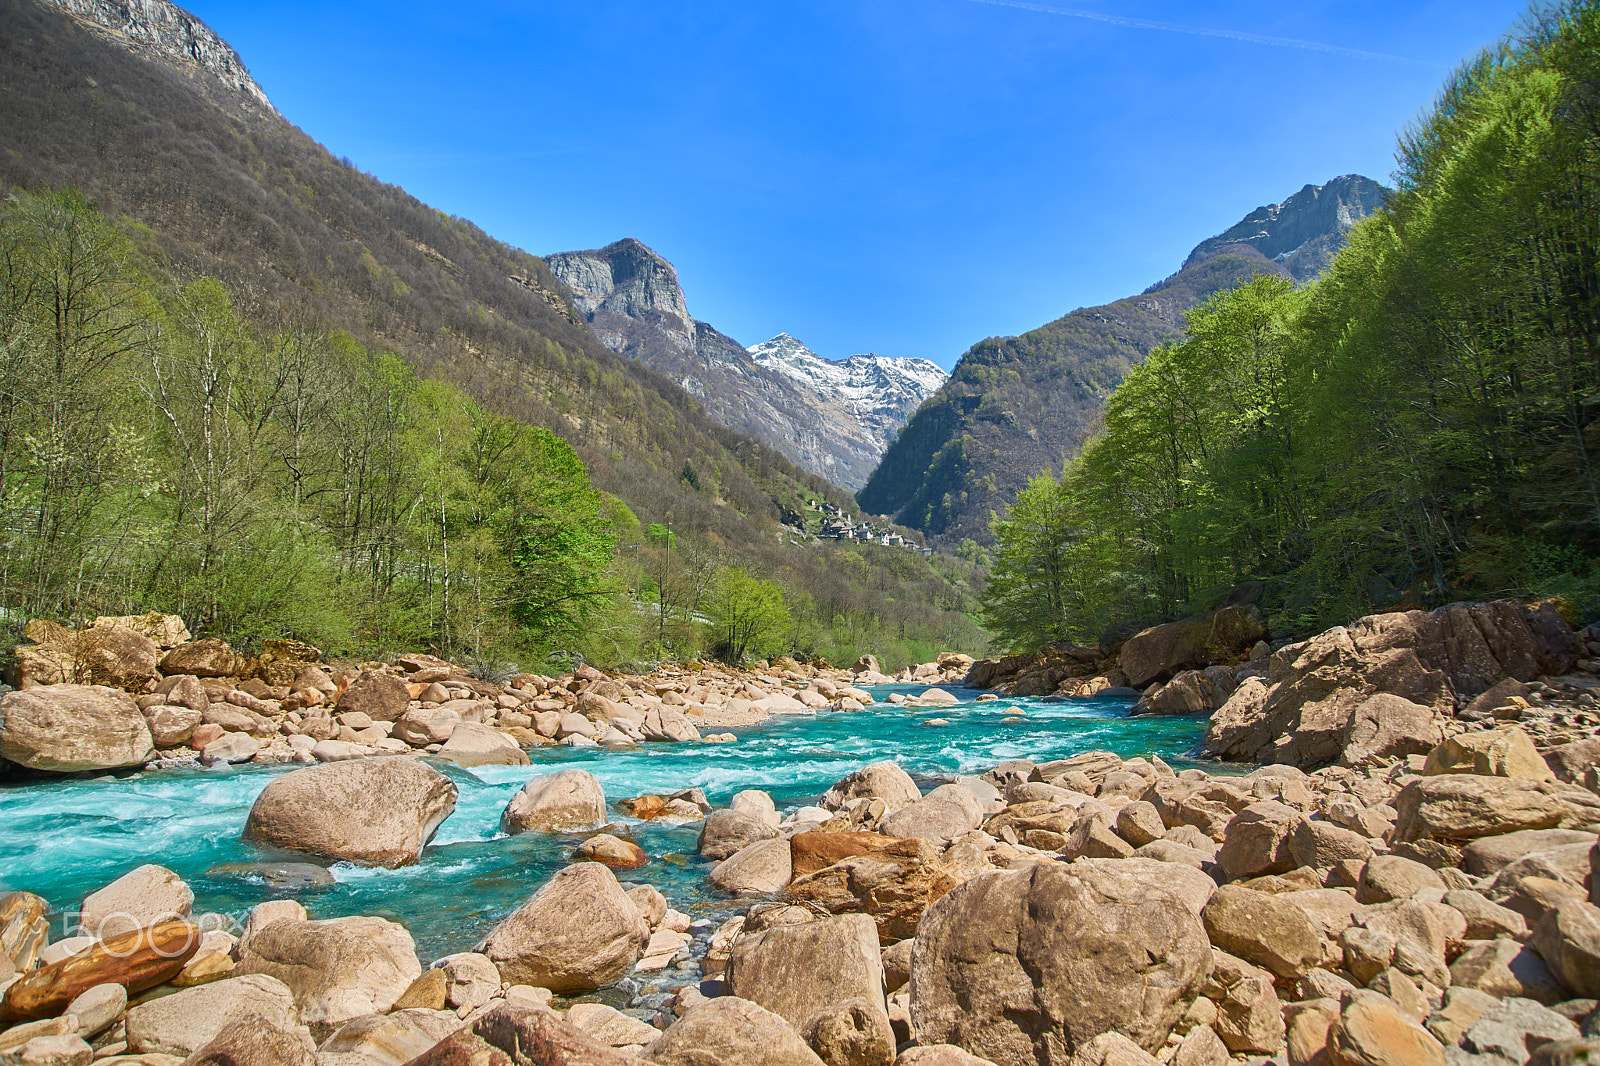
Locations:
137 691
1090 911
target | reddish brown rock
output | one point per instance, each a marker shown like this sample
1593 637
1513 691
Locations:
136 960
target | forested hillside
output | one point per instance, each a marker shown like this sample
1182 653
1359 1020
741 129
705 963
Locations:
1418 426
200 197
1016 405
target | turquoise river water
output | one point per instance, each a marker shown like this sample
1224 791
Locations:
63 839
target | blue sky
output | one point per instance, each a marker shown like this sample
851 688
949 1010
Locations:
898 176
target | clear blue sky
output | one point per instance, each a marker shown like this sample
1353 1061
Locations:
898 176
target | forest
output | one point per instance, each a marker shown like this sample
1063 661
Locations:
1419 425
160 450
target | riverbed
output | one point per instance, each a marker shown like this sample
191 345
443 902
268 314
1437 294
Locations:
64 838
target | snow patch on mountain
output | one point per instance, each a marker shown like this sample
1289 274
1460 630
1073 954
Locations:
872 385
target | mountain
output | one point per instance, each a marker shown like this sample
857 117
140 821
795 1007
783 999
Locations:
833 417
1016 405
155 119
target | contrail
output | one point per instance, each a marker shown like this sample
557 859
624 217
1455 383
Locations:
1198 31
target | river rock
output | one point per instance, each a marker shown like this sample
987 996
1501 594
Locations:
562 801
381 696
1163 650
1026 966
1468 806
24 928
473 979
1504 967
938 1055
70 728
186 1021
758 869
880 780
136 960
1371 1031
1502 752
522 1036
755 804
893 885
388 1039
1487 856
1257 841
171 726
143 897
475 744
852 1033
338 968
726 832
1385 726
208 657
1390 877
799 971
730 1031
422 726
254 1040
946 812
577 933
1568 939
615 852
379 812
1263 929
812 851
166 630
116 657
1508 1031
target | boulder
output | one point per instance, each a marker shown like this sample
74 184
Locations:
1488 855
1385 727
1572 762
475 744
1390 877
1305 713
98 1009
422 726
135 960
171 726
799 971
522 1036
1502 752
880 780
253 1040
664 723
615 852
852 1033
1371 1031
146 896
389 1039
1161 651
1468 806
337 969
1503 967
946 812
1508 1031
378 812
381 696
1029 965
208 657
730 1031
115 657
893 885
810 852
756 804
577 933
24 928
184 690
471 979
758 869
1266 930
726 832
165 630
1249 1018
70 728
186 1021
938 1055
1256 841
1568 939
562 801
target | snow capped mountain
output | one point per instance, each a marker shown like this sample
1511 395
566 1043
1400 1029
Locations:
881 392
833 417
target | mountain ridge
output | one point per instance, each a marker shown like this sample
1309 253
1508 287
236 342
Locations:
1016 405
832 417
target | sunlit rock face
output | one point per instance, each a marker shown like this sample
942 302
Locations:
834 417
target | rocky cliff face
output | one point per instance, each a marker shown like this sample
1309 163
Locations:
166 32
833 417
1016 405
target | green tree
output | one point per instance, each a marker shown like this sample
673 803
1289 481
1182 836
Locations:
748 616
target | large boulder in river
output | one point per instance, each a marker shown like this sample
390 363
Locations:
68 728
799 971
566 800
1305 713
138 899
381 696
379 812
1028 966
578 933
880 780
338 969
1161 651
